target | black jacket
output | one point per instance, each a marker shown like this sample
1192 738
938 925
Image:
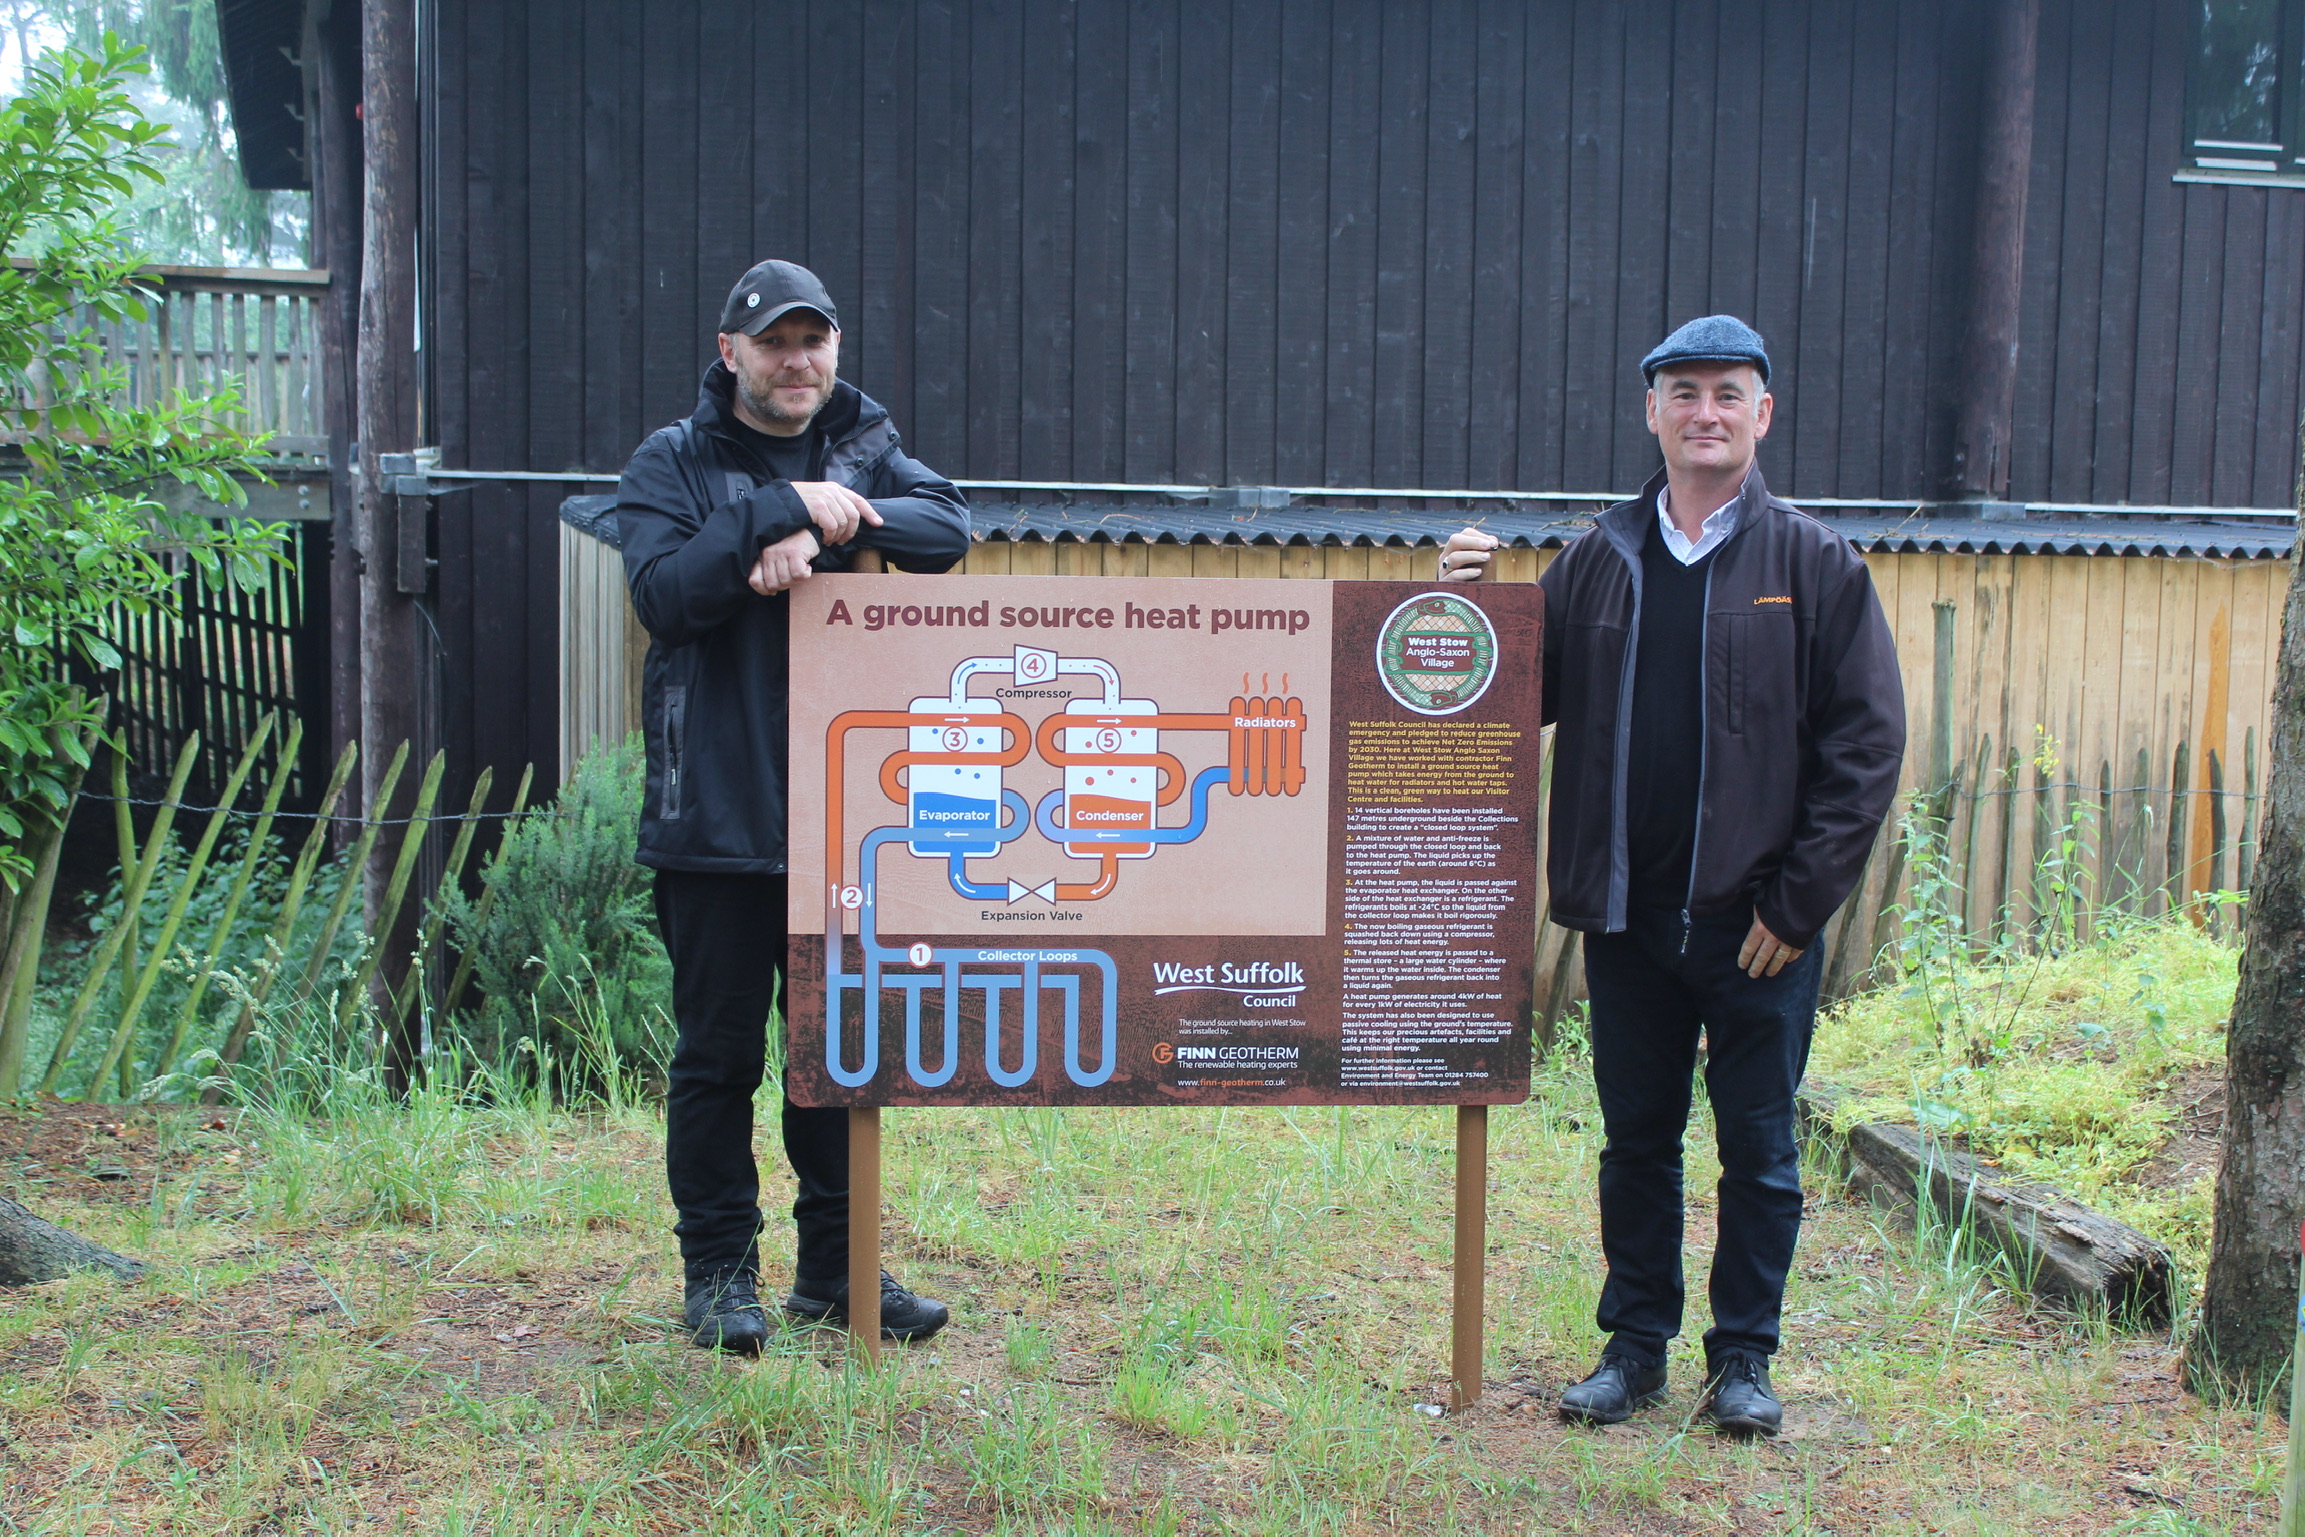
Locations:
694 510
1804 717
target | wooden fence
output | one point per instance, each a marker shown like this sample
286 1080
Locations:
230 656
204 327
2150 679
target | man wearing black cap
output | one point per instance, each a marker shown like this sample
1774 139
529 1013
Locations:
783 469
1731 725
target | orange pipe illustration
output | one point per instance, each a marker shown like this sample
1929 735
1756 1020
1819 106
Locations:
1168 763
1236 746
835 780
1103 886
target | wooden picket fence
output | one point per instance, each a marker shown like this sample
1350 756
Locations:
125 964
257 329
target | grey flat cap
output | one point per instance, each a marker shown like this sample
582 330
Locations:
1709 339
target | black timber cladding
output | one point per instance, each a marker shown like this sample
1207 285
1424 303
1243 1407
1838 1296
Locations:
1313 242
261 41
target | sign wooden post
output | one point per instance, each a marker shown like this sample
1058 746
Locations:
1468 1313
864 1232
1304 874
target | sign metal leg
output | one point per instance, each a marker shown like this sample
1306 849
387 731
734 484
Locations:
864 1233
1468 1301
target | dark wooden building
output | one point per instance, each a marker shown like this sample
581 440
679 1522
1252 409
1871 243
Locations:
1336 244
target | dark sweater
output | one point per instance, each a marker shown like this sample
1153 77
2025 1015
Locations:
785 458
1665 764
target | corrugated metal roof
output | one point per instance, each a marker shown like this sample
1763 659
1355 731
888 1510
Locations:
1871 531
1550 528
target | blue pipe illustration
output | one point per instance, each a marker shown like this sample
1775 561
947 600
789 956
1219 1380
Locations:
949 977
1019 820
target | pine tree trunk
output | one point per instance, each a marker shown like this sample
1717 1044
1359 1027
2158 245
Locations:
32 1251
2242 1346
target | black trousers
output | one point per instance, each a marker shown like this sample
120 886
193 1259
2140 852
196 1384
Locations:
1650 998
726 935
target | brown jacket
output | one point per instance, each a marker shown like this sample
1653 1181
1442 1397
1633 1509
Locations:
1804 717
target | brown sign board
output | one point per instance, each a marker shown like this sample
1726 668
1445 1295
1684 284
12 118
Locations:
1129 841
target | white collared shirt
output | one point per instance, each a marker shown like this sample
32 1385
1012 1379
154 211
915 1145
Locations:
1716 528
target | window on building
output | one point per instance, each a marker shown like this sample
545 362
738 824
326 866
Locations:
2242 89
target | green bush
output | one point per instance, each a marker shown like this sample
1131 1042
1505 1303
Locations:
566 954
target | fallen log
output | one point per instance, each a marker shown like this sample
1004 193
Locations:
2063 1253
32 1251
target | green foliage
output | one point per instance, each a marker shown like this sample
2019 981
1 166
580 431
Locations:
64 964
2086 1056
83 537
567 954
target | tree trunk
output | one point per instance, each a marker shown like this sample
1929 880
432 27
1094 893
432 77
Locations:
2247 1331
24 925
334 40
32 1251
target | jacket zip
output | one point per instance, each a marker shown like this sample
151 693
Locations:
1620 844
1704 744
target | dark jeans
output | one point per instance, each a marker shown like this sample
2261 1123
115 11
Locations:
1649 1000
726 937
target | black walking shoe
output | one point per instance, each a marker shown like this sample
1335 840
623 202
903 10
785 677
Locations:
1738 1399
903 1316
1617 1387
723 1312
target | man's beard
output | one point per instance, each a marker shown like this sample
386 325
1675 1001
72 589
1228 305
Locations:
762 402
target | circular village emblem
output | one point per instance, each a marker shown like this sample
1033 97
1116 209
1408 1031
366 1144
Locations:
1436 653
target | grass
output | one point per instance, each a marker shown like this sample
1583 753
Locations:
452 1317
2085 1069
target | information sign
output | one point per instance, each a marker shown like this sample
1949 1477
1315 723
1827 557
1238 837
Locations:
1153 841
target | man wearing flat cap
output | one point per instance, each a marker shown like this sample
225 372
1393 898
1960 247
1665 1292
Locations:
1730 727
784 469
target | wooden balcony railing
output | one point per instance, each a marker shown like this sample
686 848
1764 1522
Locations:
257 327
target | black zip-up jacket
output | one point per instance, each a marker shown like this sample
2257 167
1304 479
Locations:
695 509
1804 717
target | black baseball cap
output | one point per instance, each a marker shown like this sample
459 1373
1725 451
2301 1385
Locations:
769 290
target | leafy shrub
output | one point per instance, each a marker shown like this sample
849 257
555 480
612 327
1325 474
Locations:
566 954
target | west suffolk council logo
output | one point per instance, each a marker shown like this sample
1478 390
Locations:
1437 653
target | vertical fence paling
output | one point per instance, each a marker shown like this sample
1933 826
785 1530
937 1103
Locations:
132 899
119 1053
221 931
275 959
396 886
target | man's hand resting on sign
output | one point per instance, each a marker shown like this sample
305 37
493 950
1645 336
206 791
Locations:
835 509
1465 555
785 562
837 513
1763 954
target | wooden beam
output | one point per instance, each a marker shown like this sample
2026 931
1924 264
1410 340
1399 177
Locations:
332 39
1987 381
392 658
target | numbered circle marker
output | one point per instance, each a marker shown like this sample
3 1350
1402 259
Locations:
920 954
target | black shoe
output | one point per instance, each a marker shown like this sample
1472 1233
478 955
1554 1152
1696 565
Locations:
1617 1387
723 1312
903 1316
1738 1399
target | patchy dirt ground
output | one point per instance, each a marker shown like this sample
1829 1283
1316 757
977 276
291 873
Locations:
458 1320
